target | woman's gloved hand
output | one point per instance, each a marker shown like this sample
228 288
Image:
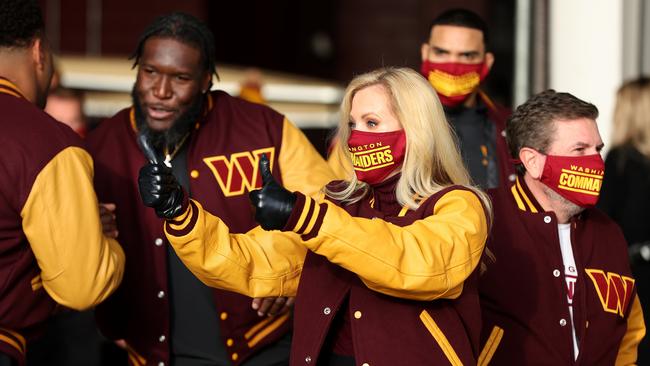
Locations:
273 203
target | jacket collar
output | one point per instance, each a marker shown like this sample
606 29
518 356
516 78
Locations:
523 197
7 87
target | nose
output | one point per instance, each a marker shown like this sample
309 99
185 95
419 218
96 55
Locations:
162 88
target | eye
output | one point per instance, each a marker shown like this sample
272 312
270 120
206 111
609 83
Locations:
183 78
148 70
371 123
352 125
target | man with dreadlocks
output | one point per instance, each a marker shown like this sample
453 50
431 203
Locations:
212 143
52 249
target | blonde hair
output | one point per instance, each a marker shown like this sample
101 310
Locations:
632 115
432 161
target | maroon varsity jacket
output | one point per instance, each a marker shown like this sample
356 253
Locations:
223 155
526 319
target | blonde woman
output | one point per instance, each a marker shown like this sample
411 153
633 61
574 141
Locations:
625 195
386 274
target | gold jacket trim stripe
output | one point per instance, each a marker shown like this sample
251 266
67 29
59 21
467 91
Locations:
268 330
530 204
490 347
13 339
440 338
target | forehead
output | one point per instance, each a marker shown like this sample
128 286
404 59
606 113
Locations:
570 132
171 53
456 37
374 97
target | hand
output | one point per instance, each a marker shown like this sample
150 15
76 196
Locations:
273 203
121 343
107 218
272 305
160 189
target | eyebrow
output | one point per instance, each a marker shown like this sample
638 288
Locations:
370 114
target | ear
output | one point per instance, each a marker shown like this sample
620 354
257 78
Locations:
38 54
489 60
424 51
533 161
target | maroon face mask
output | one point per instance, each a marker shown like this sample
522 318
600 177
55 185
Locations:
576 178
376 154
453 81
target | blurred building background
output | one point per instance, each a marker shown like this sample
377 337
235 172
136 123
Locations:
308 50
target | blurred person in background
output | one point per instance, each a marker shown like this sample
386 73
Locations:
162 314
385 268
66 106
625 195
52 249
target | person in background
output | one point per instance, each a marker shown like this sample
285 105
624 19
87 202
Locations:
456 58
626 187
162 313
559 290
66 106
385 267
52 248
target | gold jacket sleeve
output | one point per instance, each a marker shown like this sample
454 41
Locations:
301 166
426 260
627 351
79 266
258 263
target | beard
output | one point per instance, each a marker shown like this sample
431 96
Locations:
168 139
570 208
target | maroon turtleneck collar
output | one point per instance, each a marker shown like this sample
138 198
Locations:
383 197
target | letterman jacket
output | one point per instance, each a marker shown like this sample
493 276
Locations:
526 318
223 153
51 245
408 276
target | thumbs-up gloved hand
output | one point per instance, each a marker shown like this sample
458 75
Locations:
159 188
273 203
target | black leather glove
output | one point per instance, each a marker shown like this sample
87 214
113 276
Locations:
159 188
273 203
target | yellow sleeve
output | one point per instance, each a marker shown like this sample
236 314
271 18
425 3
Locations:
336 161
627 351
258 263
79 266
301 166
427 260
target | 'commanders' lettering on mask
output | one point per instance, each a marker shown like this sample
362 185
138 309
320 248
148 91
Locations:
576 178
584 180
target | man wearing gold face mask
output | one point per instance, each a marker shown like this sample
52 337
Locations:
455 60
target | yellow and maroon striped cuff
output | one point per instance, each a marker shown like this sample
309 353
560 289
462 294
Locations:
185 222
307 216
13 345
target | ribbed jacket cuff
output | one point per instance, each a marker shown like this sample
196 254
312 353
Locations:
307 217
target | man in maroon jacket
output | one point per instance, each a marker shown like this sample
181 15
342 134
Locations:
559 290
52 250
213 143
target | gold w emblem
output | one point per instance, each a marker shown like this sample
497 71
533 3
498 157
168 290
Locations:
239 173
615 291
